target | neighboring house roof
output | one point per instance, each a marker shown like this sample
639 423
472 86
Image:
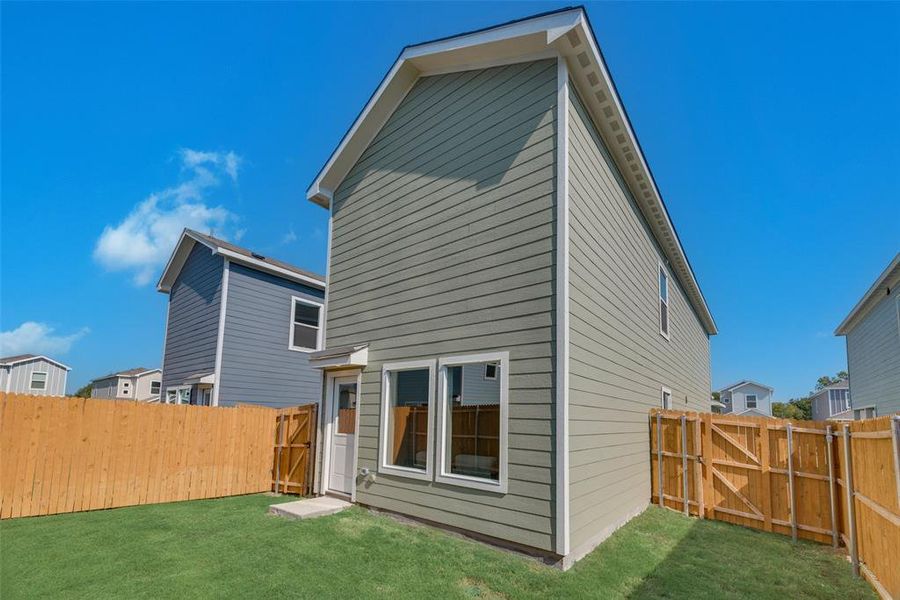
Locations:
21 358
128 373
884 285
234 253
565 32
753 411
743 382
843 384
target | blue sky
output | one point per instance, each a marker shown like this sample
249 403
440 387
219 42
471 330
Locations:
772 130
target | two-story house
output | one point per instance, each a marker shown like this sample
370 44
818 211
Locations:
748 398
33 374
872 334
132 384
832 402
240 326
507 295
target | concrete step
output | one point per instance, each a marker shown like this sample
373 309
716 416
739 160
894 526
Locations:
309 508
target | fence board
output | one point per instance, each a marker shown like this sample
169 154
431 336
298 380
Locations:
745 472
72 454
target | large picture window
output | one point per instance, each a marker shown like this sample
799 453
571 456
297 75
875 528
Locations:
839 401
407 418
472 427
306 325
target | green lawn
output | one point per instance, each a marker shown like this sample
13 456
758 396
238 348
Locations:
231 548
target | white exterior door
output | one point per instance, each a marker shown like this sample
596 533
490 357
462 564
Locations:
343 434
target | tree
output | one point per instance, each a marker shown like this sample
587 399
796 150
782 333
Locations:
84 391
795 408
825 380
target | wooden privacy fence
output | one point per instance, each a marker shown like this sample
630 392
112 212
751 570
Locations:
64 455
822 481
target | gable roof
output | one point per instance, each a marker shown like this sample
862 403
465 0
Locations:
843 384
129 373
566 33
21 358
234 253
886 284
743 382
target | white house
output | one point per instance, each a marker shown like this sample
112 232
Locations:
748 398
133 384
33 374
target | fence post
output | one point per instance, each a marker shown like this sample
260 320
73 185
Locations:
895 437
684 469
278 445
698 469
851 508
708 451
791 491
765 465
659 458
829 449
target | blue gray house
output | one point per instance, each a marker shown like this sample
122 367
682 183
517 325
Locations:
240 327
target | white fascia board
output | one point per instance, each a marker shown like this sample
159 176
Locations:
37 357
268 267
861 308
358 358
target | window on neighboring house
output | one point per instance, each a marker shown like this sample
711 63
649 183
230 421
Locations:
178 395
154 388
750 400
38 381
666 399
839 401
305 325
663 302
867 412
473 415
407 419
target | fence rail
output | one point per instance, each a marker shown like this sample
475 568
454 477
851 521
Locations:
74 454
821 481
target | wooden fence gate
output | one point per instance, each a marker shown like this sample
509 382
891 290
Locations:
821 481
295 441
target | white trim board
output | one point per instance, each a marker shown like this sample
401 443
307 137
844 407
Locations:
562 308
220 336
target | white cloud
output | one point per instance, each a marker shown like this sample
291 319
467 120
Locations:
143 241
37 338
289 237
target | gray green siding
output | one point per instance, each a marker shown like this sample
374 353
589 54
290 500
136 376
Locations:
618 359
192 327
443 244
873 357
257 366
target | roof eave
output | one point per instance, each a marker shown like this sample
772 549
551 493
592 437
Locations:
861 307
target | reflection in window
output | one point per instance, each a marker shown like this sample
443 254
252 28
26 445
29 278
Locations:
346 408
408 418
473 423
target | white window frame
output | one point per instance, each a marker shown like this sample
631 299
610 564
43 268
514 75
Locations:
443 474
158 387
307 301
383 465
832 400
663 391
659 300
46 375
755 401
176 389
494 378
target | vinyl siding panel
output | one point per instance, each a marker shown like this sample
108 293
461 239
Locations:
618 360
443 244
192 327
20 378
257 366
105 388
873 357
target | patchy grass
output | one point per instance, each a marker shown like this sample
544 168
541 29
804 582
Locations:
230 548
